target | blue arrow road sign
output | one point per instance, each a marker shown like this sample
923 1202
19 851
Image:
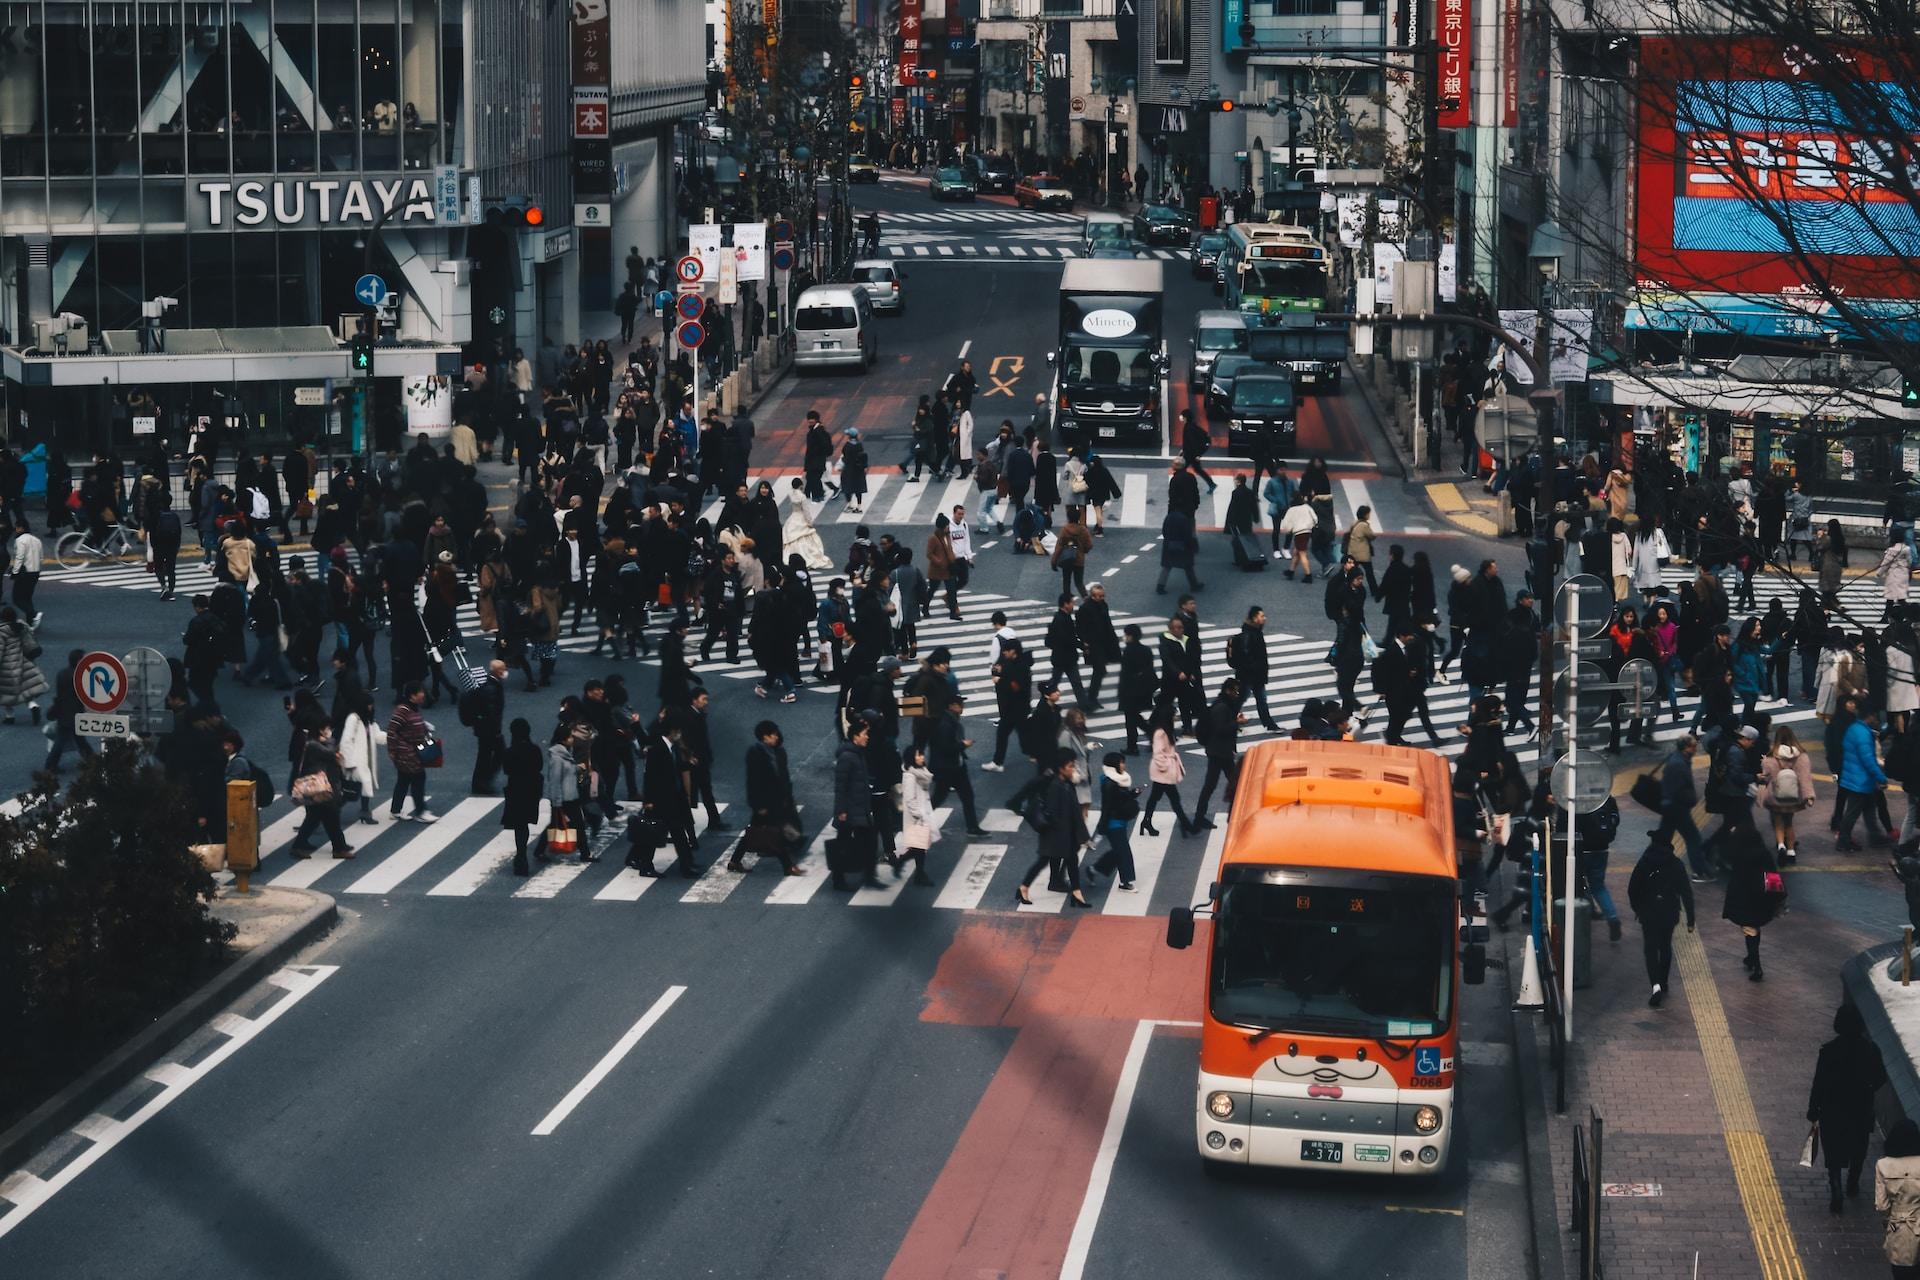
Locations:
370 290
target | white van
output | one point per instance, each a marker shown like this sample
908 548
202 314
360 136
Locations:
833 325
1106 232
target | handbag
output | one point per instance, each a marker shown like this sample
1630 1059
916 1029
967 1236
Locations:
913 706
432 754
212 856
1773 883
1646 792
562 840
1810 1149
312 789
1076 484
1368 649
350 789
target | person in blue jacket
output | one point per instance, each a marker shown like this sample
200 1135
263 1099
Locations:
1860 778
1749 660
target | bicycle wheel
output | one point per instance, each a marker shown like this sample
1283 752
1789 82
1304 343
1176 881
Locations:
72 552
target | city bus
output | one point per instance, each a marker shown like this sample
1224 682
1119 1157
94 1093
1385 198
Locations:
1269 269
1331 1031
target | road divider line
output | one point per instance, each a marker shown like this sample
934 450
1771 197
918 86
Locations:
601 1069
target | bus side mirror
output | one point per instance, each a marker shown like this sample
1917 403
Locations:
1180 928
1473 963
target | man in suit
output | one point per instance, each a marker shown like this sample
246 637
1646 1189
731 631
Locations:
1063 650
1394 681
1223 747
1095 623
663 796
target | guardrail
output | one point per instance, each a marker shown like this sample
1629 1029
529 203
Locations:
1588 1191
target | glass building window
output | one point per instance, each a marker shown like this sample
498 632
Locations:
209 107
339 90
163 140
381 115
67 60
116 91
296 107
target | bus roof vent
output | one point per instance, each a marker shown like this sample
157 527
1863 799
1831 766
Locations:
1346 787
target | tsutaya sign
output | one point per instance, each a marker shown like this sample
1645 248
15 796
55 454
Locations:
269 203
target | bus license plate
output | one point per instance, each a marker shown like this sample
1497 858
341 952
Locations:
1320 1151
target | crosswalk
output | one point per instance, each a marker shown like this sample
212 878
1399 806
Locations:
892 501
983 215
1006 251
465 855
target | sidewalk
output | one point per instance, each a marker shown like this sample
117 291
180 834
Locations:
1703 1098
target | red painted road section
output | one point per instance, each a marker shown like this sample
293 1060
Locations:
1006 1201
1327 423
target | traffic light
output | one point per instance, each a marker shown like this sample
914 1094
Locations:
1909 392
1224 105
363 353
515 212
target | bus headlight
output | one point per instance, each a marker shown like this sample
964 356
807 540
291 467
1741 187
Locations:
1220 1105
1427 1119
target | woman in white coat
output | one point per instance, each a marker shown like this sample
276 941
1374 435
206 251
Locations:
916 815
1649 549
1895 572
362 743
798 535
1902 696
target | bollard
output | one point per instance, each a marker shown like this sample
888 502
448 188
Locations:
243 833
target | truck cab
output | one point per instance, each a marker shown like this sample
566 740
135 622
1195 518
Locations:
1110 362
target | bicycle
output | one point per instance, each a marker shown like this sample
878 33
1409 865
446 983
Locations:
74 551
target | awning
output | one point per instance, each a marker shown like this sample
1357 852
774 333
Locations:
1711 389
304 353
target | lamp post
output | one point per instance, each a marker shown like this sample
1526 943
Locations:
1116 88
1545 250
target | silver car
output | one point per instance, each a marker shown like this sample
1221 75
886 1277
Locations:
883 283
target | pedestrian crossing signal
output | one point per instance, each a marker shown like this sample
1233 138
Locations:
1909 392
362 353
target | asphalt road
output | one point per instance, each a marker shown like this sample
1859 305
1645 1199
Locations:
913 1083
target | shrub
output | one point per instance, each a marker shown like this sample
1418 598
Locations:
104 918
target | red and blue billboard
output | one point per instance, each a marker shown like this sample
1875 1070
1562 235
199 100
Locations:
1761 192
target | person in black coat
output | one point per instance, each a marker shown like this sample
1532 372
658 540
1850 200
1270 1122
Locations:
1395 681
770 798
1845 1078
1013 699
1119 806
947 759
1223 748
1137 685
853 812
1748 903
525 767
1183 491
1247 656
665 811
1062 832
1194 442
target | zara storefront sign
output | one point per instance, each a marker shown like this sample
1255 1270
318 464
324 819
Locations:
279 203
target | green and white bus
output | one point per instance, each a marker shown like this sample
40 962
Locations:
1271 268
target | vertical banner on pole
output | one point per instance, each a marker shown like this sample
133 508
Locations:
1453 23
593 146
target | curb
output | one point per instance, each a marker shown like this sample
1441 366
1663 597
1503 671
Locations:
1902 1099
59 1113
1460 516
1530 1082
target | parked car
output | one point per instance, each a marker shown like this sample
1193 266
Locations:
862 169
950 184
1205 254
991 173
882 282
1161 224
1042 191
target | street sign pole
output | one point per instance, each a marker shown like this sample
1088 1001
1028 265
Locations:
1573 760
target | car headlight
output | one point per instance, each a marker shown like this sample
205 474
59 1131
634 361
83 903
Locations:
1068 424
1220 1105
1427 1119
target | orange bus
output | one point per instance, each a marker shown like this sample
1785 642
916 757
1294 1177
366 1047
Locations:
1332 1023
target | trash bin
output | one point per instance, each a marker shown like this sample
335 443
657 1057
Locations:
1582 940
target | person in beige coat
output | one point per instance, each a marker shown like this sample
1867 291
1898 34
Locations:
1896 1193
1784 801
1166 772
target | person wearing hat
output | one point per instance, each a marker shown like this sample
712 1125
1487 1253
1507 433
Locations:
853 471
947 761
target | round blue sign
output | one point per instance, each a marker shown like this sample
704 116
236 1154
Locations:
783 230
370 290
690 306
783 259
690 335
662 300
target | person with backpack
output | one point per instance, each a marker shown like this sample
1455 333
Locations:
1594 833
1054 814
1071 547
1786 787
1119 806
1659 891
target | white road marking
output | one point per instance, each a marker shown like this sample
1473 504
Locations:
793 891
1149 855
1133 499
966 347
28 1192
423 848
876 479
1210 861
889 891
621 1048
1357 497
304 875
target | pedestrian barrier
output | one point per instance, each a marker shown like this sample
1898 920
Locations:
1588 1192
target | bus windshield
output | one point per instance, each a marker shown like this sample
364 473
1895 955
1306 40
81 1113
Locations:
1276 280
1365 963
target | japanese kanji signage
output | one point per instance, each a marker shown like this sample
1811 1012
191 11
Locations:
909 38
589 114
1453 21
592 149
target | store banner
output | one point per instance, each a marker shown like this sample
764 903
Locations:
749 251
1453 23
592 144
909 39
703 242
1510 64
1571 338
